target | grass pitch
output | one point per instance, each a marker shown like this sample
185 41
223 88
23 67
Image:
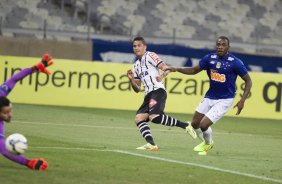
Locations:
84 145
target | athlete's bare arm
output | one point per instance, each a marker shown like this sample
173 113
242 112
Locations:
163 67
185 70
247 89
135 83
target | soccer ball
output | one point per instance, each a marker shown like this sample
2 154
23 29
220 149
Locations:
16 143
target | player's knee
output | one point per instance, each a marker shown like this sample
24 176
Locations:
152 116
139 118
195 124
205 123
136 119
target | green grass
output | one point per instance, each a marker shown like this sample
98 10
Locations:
93 137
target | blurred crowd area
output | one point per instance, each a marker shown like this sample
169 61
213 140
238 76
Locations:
253 26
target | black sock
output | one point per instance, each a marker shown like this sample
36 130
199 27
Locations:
169 121
146 132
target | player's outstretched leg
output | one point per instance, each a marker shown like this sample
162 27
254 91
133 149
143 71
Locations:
170 121
190 130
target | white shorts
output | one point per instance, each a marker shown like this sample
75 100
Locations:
214 109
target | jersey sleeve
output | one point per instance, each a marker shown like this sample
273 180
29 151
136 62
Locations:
204 62
240 68
154 59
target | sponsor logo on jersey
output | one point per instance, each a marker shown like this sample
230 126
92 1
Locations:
217 76
143 74
155 57
152 103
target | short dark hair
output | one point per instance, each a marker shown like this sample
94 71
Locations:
4 102
224 38
139 38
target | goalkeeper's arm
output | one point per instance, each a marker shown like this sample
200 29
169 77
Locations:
35 164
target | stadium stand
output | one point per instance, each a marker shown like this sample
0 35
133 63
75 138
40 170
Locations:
255 22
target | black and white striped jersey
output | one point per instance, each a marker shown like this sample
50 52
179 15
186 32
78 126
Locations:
147 70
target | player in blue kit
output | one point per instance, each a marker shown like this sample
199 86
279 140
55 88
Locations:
222 68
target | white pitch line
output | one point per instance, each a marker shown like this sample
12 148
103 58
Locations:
74 125
111 127
170 161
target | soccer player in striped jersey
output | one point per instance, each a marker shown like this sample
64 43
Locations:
222 69
6 113
147 72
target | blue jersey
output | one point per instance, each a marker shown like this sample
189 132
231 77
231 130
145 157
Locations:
222 73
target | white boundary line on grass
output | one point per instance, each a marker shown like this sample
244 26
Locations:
168 160
110 127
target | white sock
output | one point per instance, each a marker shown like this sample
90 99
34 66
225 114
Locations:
207 135
199 134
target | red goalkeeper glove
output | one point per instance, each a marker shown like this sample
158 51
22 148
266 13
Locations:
37 164
45 62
